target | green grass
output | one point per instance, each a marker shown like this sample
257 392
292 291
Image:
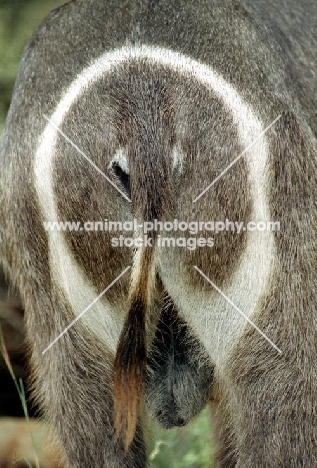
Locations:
188 447
21 392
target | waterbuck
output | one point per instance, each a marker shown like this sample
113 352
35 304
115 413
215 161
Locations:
168 118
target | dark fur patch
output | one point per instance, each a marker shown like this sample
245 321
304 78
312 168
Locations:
131 356
180 374
129 370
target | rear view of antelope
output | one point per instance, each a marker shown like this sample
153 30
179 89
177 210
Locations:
158 218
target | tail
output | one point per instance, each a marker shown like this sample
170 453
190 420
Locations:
151 181
131 357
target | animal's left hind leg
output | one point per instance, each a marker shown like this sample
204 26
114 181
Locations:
224 437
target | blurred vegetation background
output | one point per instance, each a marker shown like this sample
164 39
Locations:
18 21
189 447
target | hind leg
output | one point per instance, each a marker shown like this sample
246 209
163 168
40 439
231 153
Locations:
273 405
73 382
224 437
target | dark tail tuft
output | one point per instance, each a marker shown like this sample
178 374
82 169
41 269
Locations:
131 357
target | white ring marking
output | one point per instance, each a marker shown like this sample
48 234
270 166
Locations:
257 261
